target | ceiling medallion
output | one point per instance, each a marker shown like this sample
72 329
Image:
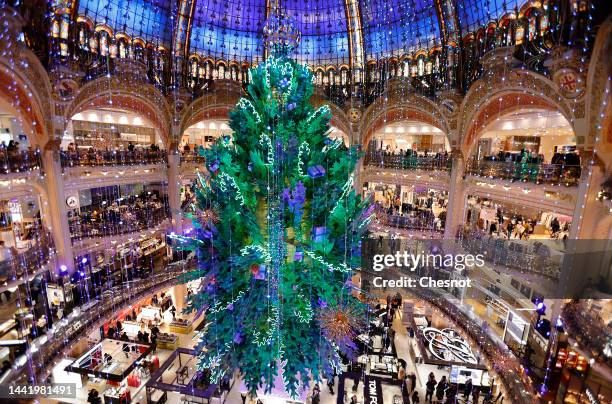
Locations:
354 115
570 83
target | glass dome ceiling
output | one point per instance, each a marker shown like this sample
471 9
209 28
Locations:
232 29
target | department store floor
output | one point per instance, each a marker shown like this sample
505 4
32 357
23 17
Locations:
405 346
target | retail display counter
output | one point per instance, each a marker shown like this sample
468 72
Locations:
150 313
167 341
181 326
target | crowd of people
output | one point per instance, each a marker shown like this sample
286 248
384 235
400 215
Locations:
418 215
527 166
517 226
124 215
408 159
14 157
590 330
122 155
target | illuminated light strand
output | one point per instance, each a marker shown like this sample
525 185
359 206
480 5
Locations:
226 177
265 254
300 165
265 140
341 268
324 109
333 146
220 307
274 322
247 105
309 313
345 190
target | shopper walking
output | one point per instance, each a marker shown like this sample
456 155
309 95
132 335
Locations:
415 397
467 390
429 389
441 388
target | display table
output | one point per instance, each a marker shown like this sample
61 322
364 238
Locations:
181 326
388 367
150 313
167 341
131 328
117 396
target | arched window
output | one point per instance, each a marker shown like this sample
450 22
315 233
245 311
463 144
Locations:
193 67
406 68
122 48
113 49
344 79
420 66
103 44
55 28
83 35
543 24
160 61
220 71
531 28
520 32
139 52
208 70
428 67
64 26
319 79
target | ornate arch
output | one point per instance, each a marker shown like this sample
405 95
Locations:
401 107
339 118
500 93
24 85
216 104
597 92
137 97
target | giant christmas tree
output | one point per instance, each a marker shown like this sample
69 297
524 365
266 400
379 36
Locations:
278 228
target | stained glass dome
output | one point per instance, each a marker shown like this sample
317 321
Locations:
233 29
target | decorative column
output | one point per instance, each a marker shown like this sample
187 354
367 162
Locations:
456 196
174 187
589 212
58 222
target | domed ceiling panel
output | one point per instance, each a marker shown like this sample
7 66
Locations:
397 27
474 14
231 29
147 19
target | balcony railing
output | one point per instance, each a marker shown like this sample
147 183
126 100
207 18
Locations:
111 158
27 261
590 331
414 220
192 158
78 323
115 221
513 254
19 161
536 173
408 162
